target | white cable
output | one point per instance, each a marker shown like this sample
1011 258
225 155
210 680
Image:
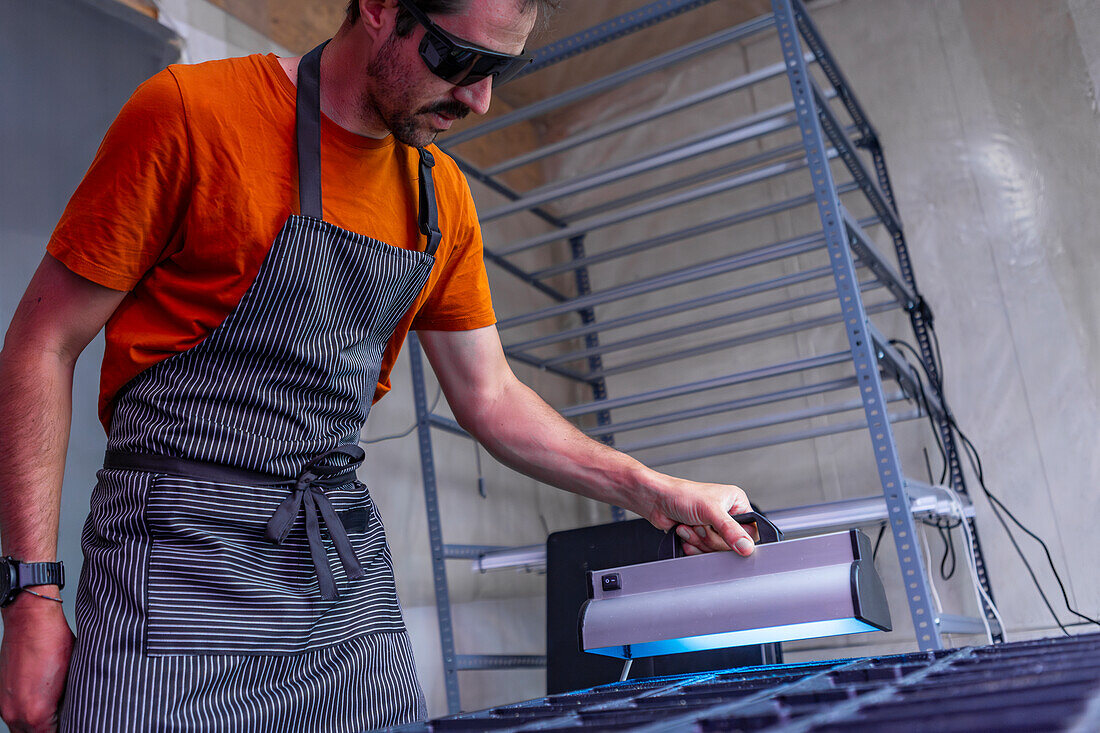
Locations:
626 670
928 559
972 563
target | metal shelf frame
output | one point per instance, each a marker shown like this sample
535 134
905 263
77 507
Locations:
827 147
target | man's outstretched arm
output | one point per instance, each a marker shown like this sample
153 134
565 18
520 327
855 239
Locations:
526 434
57 317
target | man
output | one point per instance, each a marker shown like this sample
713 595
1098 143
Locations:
235 574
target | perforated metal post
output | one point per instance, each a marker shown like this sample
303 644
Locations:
886 455
595 361
919 315
435 527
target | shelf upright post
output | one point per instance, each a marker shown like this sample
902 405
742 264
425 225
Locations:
595 361
887 459
920 315
435 527
920 318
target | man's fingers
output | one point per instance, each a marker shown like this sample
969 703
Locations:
710 539
690 541
734 534
702 538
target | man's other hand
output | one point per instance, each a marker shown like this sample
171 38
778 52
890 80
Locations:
34 661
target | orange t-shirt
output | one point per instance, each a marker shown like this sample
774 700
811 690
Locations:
191 186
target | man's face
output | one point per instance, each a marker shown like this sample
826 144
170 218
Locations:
415 104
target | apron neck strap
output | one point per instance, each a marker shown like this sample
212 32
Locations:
428 218
309 133
309 155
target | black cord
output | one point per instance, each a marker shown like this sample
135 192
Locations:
922 400
976 464
881 531
943 528
979 473
949 549
996 504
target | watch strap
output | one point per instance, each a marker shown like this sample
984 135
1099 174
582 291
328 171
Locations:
39 573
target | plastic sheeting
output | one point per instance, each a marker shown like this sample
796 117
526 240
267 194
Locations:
988 116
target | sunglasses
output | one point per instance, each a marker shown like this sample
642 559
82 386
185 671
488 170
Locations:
460 62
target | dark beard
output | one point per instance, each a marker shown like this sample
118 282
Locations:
407 127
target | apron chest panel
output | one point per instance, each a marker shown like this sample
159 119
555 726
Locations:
292 370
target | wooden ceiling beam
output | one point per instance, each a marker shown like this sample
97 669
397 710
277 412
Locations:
292 24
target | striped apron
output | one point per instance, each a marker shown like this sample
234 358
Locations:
236 574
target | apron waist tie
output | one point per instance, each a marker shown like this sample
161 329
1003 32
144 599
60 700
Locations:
308 488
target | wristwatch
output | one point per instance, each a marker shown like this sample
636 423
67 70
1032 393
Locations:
16 575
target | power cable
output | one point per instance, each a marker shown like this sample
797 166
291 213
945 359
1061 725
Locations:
995 503
972 563
878 540
414 426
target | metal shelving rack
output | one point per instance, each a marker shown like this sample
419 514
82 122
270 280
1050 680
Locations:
844 160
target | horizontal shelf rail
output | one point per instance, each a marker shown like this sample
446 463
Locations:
904 373
499 661
446 424
469 552
752 127
472 171
924 502
607 31
680 235
751 375
829 67
791 153
792 437
611 81
681 276
953 624
869 256
698 327
800 521
610 324
730 343
782 395
755 423
556 370
649 115
684 197
836 134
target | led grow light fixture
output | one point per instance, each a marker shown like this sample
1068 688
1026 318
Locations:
786 590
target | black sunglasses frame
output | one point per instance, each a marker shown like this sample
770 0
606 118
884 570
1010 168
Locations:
458 61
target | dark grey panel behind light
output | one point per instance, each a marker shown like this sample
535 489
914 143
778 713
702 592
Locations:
66 67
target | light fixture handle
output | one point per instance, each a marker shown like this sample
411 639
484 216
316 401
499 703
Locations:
768 531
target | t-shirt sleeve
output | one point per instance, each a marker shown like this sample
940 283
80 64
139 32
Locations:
460 300
127 213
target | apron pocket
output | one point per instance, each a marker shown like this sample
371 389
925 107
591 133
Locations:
218 586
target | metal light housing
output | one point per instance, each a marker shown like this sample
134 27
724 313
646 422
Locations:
786 590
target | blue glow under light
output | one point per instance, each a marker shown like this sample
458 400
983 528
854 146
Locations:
745 637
